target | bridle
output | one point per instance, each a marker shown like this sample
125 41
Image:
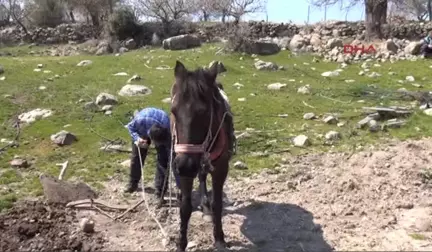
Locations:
203 148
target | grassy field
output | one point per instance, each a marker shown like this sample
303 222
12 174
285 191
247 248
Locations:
88 163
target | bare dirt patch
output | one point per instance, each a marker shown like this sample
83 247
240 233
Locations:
377 199
35 226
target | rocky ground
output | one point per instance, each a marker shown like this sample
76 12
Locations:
377 199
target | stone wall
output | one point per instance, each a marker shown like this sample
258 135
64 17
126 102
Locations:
63 33
81 32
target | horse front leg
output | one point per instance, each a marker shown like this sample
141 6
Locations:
204 199
218 180
186 184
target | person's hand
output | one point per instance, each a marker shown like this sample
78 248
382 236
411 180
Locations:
142 143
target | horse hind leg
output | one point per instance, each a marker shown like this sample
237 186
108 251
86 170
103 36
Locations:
204 199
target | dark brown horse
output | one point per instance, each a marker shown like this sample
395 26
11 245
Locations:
202 125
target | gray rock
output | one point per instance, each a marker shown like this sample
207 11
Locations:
413 48
106 99
334 42
134 90
309 116
240 165
85 63
107 108
87 225
304 90
330 120
266 66
301 141
332 135
260 48
130 44
63 138
135 77
297 42
373 126
428 111
276 86
19 163
181 42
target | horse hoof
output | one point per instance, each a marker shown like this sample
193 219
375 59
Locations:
207 218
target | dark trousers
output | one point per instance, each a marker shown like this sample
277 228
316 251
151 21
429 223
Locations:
163 158
425 50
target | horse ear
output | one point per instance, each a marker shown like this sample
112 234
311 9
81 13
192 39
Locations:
213 70
179 70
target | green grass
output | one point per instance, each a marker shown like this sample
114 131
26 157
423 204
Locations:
88 163
418 237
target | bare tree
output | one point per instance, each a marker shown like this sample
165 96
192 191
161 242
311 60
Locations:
14 11
206 9
239 8
412 8
376 14
97 10
223 8
166 11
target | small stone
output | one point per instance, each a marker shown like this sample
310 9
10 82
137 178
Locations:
309 116
191 245
40 66
240 165
330 74
106 99
428 111
167 100
85 63
422 224
410 78
136 77
276 86
109 112
238 85
91 106
304 90
301 141
19 163
241 99
330 120
107 108
126 163
333 135
373 126
63 138
87 225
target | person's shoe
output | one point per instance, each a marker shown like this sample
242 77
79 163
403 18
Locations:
131 188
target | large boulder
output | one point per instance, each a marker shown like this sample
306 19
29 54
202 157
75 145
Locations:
181 42
297 42
260 48
413 48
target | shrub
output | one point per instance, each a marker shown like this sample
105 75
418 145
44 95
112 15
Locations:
124 24
239 36
46 13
